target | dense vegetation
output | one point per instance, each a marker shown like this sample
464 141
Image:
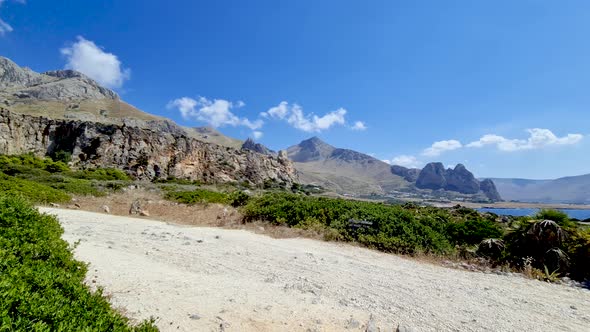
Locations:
43 180
548 248
235 198
41 285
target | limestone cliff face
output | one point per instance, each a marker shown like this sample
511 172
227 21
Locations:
144 152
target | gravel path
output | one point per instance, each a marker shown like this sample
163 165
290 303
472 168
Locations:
212 279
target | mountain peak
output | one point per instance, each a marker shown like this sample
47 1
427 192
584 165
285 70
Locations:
312 149
52 85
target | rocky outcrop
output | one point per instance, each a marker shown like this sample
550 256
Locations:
489 189
250 145
144 152
23 83
434 176
461 180
409 174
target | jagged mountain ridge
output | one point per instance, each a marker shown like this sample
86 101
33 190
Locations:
435 177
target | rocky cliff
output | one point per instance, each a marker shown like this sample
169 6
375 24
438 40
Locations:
409 174
434 176
146 152
250 145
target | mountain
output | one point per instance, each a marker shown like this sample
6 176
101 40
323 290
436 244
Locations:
66 111
572 189
409 174
350 172
435 177
250 145
211 135
342 170
71 95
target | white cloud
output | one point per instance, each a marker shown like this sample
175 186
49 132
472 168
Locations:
257 134
441 146
359 125
294 116
216 113
5 27
538 138
91 60
406 161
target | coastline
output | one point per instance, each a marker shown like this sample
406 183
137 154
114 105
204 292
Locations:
523 205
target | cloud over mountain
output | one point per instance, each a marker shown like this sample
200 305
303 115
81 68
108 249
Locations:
217 112
294 116
88 58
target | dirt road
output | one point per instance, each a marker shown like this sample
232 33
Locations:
212 279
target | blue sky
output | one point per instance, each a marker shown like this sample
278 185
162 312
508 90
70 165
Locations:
501 86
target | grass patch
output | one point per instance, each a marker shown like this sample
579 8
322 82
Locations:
41 284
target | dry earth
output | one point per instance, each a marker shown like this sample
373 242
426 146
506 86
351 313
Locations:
212 279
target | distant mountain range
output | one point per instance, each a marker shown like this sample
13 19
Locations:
571 189
351 172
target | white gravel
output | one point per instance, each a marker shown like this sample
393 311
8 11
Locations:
211 279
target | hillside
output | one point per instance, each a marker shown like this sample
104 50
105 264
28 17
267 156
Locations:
571 189
65 112
70 95
342 170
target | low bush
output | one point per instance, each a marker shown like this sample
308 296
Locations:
473 231
41 284
100 174
236 198
33 191
385 227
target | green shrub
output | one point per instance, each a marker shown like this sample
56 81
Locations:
558 216
33 191
391 228
100 174
238 198
41 285
472 231
198 196
62 156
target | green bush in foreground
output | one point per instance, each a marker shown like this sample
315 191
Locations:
41 285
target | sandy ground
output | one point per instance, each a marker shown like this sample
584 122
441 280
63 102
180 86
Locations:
213 279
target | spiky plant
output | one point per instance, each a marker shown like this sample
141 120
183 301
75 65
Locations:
491 248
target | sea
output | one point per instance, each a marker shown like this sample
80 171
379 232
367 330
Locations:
572 213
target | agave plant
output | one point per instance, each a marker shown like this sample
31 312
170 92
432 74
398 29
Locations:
492 248
547 233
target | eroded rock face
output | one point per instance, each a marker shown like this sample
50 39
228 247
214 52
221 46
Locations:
489 188
410 174
249 144
434 176
144 152
461 180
